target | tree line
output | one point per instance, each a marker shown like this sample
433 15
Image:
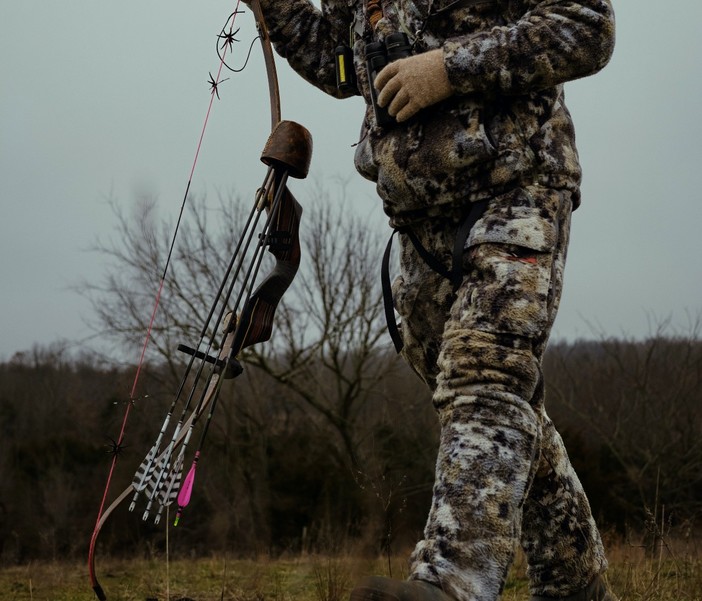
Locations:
276 477
327 441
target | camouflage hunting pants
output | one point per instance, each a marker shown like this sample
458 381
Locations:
502 472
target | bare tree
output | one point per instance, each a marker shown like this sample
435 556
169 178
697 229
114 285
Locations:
332 348
136 258
328 352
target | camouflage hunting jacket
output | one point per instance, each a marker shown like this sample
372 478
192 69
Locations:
506 124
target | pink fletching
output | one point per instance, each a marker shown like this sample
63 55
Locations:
187 488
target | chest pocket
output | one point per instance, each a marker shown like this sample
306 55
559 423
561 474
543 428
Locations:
449 18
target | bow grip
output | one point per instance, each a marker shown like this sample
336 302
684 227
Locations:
289 146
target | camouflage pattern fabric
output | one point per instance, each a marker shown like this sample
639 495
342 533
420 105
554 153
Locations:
505 135
502 471
507 123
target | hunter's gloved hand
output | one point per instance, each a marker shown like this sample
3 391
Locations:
409 84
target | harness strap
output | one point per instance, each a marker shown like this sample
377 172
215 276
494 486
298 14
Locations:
393 330
476 212
428 258
374 12
455 274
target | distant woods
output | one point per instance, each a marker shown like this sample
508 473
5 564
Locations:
327 441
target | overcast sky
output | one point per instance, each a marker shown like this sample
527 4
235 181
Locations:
106 100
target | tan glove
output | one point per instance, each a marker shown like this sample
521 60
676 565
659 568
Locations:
410 84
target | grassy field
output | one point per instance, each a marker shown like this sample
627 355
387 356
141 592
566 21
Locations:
675 574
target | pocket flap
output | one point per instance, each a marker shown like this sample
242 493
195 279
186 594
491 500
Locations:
521 226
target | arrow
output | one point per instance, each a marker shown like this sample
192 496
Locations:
187 489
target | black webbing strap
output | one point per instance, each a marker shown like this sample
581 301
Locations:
455 274
428 258
393 330
475 212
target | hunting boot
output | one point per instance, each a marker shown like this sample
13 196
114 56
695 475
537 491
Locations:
379 588
597 590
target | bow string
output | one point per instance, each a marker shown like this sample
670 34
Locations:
235 320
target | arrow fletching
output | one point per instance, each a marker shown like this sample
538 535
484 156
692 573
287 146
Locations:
143 475
169 491
187 489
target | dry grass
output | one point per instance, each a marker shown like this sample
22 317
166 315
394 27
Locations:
674 574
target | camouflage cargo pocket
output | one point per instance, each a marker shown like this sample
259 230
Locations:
510 260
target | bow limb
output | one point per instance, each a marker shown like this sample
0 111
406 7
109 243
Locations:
209 396
271 72
288 152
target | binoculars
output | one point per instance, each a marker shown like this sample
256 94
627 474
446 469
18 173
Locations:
379 54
